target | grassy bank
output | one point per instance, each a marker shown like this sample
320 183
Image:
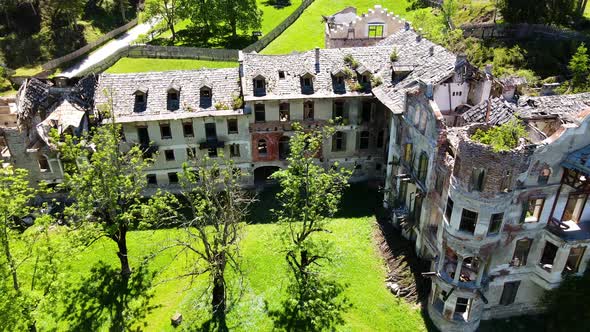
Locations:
138 65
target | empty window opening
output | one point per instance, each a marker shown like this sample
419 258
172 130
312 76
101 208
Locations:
449 209
366 112
151 179
262 148
544 176
364 140
169 154
232 126
380 139
281 74
284 148
495 223
478 176
308 110
143 135
338 112
173 178
212 152
205 97
284 112
187 129
191 153
423 168
338 141
509 292
548 256
172 100
259 113
234 150
462 308
506 181
210 131
468 221
43 164
574 207
532 210
259 87
521 252
573 260
165 130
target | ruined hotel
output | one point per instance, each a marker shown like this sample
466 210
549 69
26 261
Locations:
499 228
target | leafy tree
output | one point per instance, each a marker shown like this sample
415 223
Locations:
29 263
572 295
579 66
239 14
57 13
535 11
169 10
503 137
310 195
106 184
215 209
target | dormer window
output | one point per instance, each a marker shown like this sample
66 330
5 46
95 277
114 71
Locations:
140 101
307 84
173 100
205 94
375 30
259 86
338 83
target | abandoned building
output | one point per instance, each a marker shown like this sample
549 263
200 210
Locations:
498 227
347 29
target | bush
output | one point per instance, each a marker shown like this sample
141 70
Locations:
350 61
393 57
501 138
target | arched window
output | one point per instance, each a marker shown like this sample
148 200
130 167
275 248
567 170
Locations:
338 141
364 140
262 148
206 97
544 176
172 100
259 86
284 147
423 168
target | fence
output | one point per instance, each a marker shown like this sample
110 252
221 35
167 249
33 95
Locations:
164 52
71 56
279 29
520 31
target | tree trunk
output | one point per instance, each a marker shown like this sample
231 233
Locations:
122 7
122 244
219 299
10 260
171 25
234 27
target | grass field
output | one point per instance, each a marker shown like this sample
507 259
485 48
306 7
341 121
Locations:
356 263
138 65
308 31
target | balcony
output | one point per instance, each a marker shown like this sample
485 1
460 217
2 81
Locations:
211 143
569 230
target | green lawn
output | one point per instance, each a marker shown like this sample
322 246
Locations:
137 65
308 31
356 263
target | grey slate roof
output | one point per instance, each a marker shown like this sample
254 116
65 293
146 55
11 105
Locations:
501 111
412 53
566 107
223 82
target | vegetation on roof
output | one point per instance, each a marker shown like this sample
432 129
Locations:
501 138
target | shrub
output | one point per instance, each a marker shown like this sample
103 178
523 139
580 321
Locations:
501 138
350 61
237 102
376 81
393 56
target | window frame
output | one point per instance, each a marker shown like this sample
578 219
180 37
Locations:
521 252
468 220
188 133
163 127
169 155
230 125
375 30
259 113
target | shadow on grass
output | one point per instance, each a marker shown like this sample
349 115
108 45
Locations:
106 300
516 324
278 4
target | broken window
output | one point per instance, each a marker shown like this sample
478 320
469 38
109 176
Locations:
187 129
308 110
205 95
574 207
232 126
151 179
338 110
477 179
143 135
140 101
521 252
259 113
506 181
169 154
165 131
284 112
468 221
338 141
338 84
173 178
191 152
43 164
548 256
423 167
573 260
281 74
262 148
259 86
210 131
366 112
172 100
234 150
531 210
212 152
462 308
495 223
449 210
376 30
284 147
544 176
509 292
364 140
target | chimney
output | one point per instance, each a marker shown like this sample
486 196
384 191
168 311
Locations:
406 25
431 51
317 59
